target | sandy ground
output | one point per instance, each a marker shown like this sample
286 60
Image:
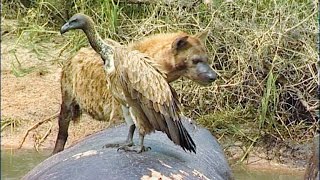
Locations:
30 93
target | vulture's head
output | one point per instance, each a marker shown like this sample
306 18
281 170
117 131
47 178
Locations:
77 21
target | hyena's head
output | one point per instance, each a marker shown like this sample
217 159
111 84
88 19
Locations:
191 58
179 54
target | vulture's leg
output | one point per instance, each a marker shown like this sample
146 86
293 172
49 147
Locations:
142 147
132 127
136 148
130 122
129 140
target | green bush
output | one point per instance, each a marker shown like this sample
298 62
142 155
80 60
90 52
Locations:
264 52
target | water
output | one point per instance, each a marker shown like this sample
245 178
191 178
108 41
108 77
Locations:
16 163
242 173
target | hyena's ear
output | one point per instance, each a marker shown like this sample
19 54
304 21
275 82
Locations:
203 35
180 43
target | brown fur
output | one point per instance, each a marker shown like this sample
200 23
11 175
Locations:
83 80
175 63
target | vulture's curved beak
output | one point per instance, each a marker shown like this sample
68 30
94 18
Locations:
64 28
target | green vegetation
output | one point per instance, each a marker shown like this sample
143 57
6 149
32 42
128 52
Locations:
9 122
264 52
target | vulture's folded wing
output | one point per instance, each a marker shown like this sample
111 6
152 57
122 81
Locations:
153 98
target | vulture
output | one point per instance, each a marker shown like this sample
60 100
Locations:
133 80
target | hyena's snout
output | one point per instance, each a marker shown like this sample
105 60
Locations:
206 74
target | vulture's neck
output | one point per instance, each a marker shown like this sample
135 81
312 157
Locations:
102 48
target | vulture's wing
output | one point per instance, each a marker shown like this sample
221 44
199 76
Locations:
150 95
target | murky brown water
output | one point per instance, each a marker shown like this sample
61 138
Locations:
16 163
242 173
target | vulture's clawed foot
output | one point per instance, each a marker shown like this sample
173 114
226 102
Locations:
138 149
119 145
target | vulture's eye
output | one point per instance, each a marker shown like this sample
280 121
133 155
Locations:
73 20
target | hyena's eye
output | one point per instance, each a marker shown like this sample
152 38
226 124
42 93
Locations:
196 61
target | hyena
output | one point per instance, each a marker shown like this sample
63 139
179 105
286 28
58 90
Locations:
83 81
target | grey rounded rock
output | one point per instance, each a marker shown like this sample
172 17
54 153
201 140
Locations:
89 160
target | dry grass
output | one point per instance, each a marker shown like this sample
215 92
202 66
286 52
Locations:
264 52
